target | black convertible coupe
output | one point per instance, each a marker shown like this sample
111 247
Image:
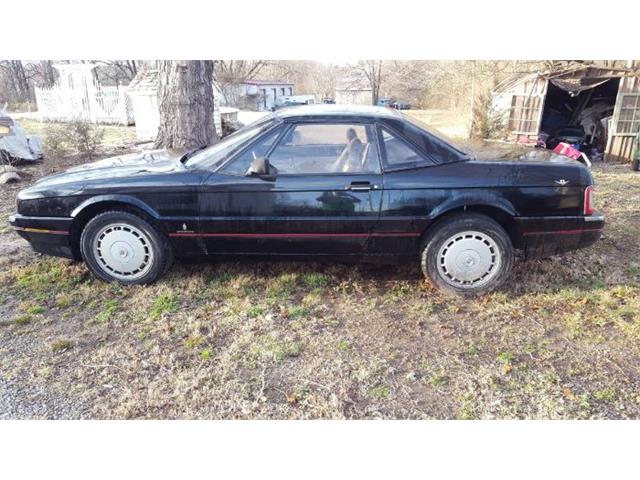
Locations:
327 182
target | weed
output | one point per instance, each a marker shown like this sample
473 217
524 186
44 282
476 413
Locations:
505 357
315 280
343 345
45 372
255 311
605 395
110 309
379 392
193 342
61 345
206 354
298 312
63 300
34 310
22 320
165 303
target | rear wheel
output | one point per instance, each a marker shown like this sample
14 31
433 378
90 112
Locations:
467 254
120 246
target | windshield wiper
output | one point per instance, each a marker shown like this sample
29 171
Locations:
191 153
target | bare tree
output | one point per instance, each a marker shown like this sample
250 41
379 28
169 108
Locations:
372 71
185 100
17 80
118 72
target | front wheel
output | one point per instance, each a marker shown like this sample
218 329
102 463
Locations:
467 254
123 247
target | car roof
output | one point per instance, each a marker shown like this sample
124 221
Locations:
335 110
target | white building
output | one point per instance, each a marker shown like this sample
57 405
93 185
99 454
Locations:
260 95
354 92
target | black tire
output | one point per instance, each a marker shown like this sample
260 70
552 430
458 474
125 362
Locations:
158 252
635 164
495 244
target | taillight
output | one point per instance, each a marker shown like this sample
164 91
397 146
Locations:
588 206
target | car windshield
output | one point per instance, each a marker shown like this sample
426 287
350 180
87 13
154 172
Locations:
214 155
438 134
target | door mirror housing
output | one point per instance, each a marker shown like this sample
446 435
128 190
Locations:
260 167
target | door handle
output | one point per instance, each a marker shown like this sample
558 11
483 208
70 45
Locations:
360 186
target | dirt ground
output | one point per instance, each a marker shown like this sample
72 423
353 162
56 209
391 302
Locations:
307 340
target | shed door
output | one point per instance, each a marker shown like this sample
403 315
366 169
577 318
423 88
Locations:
625 125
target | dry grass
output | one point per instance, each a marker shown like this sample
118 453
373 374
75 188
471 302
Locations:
305 340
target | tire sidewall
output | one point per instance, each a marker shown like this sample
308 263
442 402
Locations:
456 224
102 220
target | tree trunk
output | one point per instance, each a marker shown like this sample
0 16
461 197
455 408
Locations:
20 81
48 75
185 100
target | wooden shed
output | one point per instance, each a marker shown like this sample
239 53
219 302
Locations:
603 100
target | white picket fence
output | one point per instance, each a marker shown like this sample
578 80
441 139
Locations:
87 102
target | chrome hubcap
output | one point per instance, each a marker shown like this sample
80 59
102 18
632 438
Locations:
123 251
469 259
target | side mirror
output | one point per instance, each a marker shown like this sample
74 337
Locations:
260 167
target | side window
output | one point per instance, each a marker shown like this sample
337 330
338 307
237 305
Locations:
399 152
327 148
241 164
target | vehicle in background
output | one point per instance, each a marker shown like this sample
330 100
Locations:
400 105
294 100
15 145
329 101
384 102
573 135
327 182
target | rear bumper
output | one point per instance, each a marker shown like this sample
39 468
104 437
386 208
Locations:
48 235
546 236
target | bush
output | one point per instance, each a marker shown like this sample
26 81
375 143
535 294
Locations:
78 137
55 141
486 121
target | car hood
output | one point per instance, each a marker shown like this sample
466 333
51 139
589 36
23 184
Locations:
148 162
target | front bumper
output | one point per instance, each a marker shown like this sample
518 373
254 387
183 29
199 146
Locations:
48 235
546 236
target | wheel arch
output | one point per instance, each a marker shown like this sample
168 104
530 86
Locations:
96 205
501 211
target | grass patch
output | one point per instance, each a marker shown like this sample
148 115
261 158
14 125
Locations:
35 309
194 342
298 311
206 354
315 280
22 320
165 303
108 312
61 345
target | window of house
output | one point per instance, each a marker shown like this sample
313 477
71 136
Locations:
525 113
629 114
290 90
327 148
282 91
398 152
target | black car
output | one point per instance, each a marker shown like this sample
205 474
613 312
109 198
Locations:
323 182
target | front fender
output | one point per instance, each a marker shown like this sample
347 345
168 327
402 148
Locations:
125 199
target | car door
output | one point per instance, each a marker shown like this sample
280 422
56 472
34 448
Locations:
407 199
325 198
